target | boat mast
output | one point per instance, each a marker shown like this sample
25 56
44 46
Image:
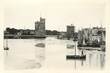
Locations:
6 43
75 48
101 33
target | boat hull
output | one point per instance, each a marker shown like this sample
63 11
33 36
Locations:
6 48
76 57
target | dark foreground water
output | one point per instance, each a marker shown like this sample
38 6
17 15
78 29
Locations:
48 53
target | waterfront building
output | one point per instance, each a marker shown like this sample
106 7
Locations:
70 31
91 37
84 36
103 33
40 28
96 38
99 33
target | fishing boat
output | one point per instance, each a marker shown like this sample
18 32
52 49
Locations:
6 48
76 56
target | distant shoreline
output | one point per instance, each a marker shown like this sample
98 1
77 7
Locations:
10 36
22 37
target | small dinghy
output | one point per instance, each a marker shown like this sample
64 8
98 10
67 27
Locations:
6 48
40 45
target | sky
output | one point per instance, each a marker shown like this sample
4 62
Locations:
22 14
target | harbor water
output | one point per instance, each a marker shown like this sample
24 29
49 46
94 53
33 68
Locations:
50 53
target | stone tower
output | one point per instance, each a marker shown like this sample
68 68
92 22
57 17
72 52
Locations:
70 31
40 28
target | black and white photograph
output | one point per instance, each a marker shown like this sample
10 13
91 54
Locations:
67 35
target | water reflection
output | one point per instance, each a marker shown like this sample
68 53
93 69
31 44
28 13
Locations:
24 54
33 53
90 57
94 59
40 52
102 59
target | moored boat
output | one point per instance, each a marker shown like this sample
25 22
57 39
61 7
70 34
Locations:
76 56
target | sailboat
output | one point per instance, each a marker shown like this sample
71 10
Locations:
6 48
75 56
